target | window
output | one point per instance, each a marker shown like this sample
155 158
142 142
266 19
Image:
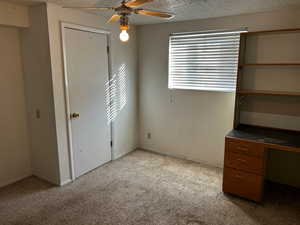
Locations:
204 60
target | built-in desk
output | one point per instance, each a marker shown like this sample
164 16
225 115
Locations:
271 138
258 91
245 157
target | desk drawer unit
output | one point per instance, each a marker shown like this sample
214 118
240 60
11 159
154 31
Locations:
243 184
244 168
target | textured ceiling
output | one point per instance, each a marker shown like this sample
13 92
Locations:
184 9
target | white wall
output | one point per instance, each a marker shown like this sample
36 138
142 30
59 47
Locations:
125 129
14 140
194 125
13 15
39 96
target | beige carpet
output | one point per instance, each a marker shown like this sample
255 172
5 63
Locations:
143 188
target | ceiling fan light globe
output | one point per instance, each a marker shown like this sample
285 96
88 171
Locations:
124 36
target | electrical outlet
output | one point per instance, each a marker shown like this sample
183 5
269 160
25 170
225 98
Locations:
148 135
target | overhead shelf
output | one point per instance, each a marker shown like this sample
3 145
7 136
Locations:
273 31
269 64
272 93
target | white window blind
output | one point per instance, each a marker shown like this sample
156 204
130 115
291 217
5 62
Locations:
204 60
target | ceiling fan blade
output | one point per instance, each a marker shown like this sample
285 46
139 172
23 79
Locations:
91 8
136 3
153 13
114 18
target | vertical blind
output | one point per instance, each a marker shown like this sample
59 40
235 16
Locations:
204 60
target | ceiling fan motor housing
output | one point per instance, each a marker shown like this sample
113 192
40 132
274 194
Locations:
124 21
124 10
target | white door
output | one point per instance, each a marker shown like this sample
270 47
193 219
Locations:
87 73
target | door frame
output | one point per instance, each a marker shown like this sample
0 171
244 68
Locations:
82 28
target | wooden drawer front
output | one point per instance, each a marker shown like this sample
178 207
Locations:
244 162
244 147
243 184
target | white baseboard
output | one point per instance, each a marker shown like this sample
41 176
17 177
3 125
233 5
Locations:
42 177
14 180
206 163
62 183
123 154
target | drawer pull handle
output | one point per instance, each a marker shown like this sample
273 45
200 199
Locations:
241 160
239 176
244 149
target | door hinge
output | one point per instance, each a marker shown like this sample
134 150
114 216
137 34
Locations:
107 48
111 143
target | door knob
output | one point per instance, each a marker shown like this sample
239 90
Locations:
74 115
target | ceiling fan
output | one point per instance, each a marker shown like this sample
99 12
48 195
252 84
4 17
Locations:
123 12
